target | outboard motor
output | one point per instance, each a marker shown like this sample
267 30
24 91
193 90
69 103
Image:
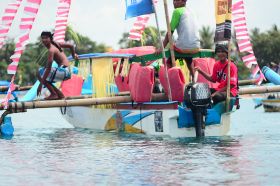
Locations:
197 97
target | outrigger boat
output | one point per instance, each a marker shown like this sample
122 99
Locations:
160 118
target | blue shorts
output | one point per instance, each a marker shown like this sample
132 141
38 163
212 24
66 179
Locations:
56 74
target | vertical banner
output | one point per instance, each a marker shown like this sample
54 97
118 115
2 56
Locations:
223 20
61 20
243 39
7 20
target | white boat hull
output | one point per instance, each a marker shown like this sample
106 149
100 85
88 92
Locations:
165 123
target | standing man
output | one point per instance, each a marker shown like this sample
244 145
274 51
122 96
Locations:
220 75
184 21
49 74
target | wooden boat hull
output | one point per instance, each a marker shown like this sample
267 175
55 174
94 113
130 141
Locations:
150 121
271 105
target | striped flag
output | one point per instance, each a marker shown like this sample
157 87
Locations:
7 20
139 26
243 39
30 11
26 23
61 20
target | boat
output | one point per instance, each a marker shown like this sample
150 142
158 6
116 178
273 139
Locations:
158 118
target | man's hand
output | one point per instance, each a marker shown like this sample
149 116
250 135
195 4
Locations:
76 57
39 89
197 68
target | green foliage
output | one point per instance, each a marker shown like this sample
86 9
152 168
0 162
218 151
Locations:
206 37
266 45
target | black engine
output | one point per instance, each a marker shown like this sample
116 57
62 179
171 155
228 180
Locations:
198 98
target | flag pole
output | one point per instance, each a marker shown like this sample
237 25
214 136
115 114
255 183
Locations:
169 34
163 54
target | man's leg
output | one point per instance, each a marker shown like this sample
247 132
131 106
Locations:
189 65
58 92
219 97
49 87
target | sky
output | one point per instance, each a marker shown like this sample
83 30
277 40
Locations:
104 22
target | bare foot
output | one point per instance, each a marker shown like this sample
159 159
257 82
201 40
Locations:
52 97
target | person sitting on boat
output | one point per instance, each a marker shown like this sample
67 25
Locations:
220 75
49 74
188 41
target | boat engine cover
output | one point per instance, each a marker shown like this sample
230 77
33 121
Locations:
197 94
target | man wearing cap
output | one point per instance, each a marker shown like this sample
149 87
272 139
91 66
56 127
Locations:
220 75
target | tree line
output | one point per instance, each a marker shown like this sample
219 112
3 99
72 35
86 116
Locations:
266 47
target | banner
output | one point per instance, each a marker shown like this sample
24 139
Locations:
61 20
243 40
7 20
223 20
136 8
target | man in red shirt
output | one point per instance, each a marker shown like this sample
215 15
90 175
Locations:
220 75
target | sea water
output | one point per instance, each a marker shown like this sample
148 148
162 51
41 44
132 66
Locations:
46 150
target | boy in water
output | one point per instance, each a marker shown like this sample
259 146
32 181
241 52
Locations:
48 75
184 21
220 75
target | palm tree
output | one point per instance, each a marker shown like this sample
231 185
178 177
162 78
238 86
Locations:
206 37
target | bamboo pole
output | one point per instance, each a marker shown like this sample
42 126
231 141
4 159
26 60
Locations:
228 80
163 55
247 82
18 88
259 90
22 106
169 34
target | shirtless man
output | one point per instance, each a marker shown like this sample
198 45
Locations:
49 74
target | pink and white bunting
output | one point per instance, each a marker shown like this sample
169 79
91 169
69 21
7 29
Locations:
61 20
7 20
243 39
139 26
30 11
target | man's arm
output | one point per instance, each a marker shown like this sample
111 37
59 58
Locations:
71 47
204 74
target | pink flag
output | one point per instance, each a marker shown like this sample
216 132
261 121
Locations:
61 20
243 39
7 20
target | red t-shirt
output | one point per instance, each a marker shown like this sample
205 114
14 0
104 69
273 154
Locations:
220 75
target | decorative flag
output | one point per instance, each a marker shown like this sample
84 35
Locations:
61 20
30 11
136 8
7 20
139 26
243 39
223 20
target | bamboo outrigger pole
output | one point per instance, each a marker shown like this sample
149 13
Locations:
18 88
22 106
163 54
